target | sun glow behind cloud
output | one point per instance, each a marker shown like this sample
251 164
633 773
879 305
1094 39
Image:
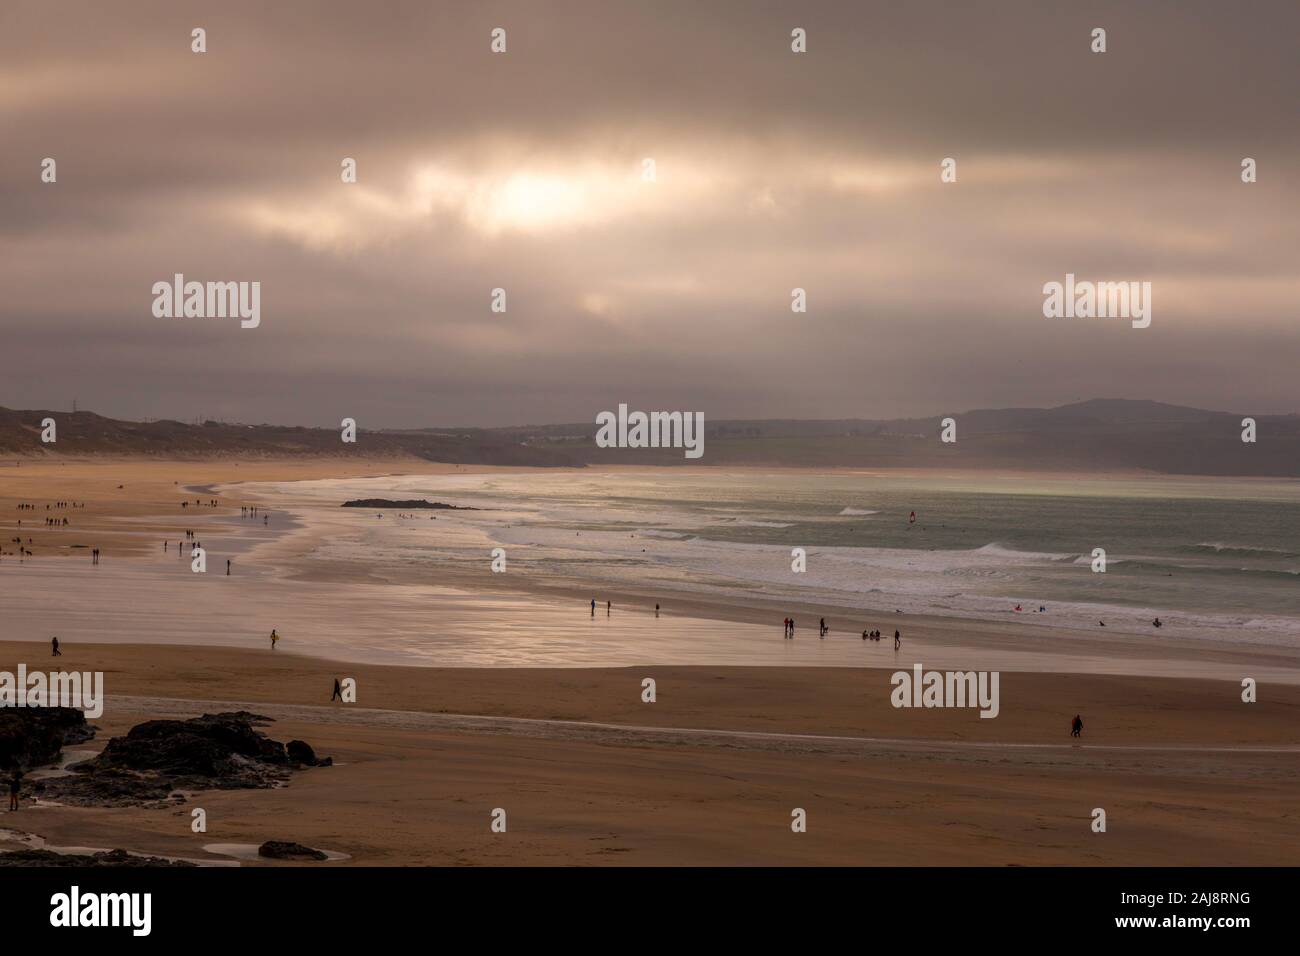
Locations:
563 196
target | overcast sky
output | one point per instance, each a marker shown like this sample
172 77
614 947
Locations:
523 171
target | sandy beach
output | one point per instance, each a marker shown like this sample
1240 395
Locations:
589 773
709 773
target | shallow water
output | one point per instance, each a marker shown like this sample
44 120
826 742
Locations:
1213 558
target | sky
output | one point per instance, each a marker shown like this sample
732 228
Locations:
526 171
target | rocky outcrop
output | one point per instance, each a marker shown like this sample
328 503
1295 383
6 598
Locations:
411 505
301 755
34 736
159 758
110 858
284 850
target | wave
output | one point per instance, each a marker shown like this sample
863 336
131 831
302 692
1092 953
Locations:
1240 550
858 511
998 550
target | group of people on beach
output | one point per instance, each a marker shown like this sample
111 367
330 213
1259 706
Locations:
252 511
823 629
22 551
875 636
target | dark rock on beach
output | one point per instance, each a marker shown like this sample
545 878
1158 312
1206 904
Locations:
405 505
109 859
284 850
207 746
301 754
33 736
159 757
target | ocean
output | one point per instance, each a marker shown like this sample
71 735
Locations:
1214 558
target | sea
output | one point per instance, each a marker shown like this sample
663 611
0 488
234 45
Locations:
1212 558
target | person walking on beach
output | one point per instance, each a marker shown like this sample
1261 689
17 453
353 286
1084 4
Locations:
1076 726
15 784
898 640
227 567
54 644
824 628
338 691
656 610
593 607
608 607
274 637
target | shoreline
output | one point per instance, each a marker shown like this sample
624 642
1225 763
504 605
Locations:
278 551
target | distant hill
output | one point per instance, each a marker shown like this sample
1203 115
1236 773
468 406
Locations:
1091 436
85 433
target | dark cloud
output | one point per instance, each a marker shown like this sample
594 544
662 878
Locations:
522 171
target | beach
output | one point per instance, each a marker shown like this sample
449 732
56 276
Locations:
478 691
589 774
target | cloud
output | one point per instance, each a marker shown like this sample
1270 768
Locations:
524 171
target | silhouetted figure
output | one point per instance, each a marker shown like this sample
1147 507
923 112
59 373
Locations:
898 640
1076 726
338 691
54 645
15 784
